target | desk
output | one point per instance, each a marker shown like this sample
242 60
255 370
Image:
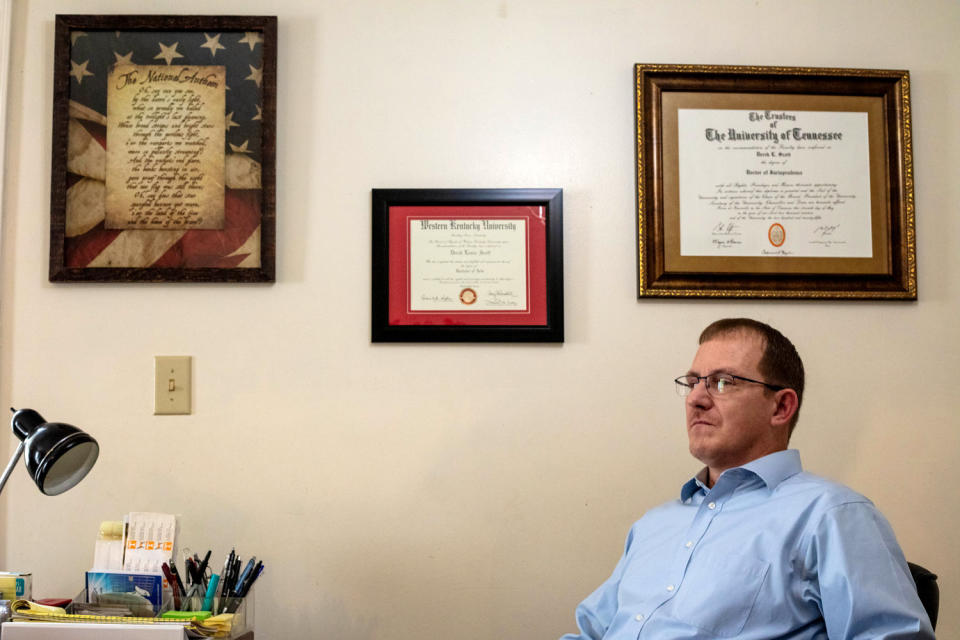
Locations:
92 631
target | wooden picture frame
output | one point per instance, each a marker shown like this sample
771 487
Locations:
774 182
467 265
185 191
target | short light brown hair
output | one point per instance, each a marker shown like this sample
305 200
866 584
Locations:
780 363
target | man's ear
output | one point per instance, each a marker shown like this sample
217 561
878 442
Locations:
787 405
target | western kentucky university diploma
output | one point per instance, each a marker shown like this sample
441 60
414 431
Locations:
774 183
165 151
468 264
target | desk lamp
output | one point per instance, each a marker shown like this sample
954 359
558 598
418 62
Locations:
58 455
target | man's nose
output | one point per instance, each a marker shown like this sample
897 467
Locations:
698 396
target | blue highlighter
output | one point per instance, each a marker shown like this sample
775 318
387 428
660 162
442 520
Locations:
211 590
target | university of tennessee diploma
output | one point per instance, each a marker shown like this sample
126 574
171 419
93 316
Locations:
468 264
774 183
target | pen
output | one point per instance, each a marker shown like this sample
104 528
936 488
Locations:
176 576
173 585
245 587
232 599
226 565
225 580
189 603
211 591
191 571
234 604
234 576
201 570
243 576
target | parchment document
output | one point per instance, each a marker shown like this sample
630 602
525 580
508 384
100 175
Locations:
774 183
468 265
165 147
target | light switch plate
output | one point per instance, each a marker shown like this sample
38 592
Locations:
172 385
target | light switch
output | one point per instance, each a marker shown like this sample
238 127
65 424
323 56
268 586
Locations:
172 385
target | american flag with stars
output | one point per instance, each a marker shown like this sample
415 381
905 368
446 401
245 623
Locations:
87 243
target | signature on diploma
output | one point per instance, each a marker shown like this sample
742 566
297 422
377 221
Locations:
725 243
726 229
501 298
440 298
825 230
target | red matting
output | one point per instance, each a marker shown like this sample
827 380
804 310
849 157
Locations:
399 266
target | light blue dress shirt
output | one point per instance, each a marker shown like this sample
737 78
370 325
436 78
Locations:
770 552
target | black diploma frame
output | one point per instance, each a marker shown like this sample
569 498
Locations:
463 299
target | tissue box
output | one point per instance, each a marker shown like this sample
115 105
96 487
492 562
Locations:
120 587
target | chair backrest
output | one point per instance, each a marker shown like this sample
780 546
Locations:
928 590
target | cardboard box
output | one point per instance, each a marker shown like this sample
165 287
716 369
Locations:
16 585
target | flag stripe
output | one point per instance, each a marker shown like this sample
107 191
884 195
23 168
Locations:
201 248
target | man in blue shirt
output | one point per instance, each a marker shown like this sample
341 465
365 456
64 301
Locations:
755 548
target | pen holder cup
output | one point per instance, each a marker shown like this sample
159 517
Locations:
241 608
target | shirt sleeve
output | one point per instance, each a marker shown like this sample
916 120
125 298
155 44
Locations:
860 577
595 614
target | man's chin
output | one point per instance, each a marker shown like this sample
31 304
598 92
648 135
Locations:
701 449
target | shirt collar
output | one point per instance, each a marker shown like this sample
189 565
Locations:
772 469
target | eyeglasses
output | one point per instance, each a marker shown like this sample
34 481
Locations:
718 384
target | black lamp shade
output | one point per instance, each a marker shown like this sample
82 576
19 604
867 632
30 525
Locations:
58 455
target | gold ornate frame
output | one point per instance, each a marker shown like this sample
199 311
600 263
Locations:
890 274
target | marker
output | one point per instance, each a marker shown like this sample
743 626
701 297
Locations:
211 591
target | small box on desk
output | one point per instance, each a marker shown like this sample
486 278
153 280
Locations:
15 585
142 593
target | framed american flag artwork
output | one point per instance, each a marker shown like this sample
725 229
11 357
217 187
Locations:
164 146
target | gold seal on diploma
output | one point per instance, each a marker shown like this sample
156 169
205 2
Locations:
776 234
468 296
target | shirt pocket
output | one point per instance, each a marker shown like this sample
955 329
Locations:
719 592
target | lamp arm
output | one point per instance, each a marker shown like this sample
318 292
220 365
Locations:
13 463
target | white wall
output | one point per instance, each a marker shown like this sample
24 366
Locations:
428 491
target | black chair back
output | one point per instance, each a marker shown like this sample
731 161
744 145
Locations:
928 590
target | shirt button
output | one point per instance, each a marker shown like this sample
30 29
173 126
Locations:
639 617
669 587
712 505
689 544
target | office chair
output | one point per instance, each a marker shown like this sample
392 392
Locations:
928 590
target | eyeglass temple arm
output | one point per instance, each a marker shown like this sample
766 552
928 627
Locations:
12 465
